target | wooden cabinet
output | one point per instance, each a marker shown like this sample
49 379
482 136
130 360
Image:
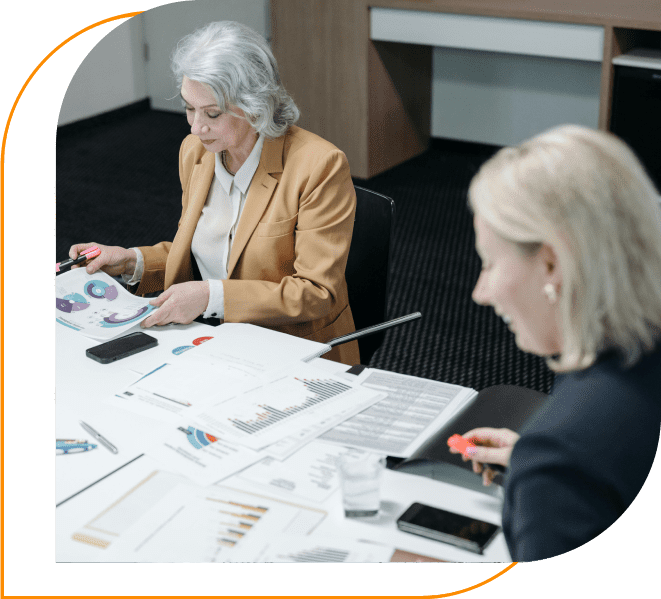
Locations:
372 99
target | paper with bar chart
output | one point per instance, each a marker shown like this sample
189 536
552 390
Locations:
236 358
164 518
317 549
302 403
241 521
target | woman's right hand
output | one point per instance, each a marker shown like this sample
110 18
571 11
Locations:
492 446
113 259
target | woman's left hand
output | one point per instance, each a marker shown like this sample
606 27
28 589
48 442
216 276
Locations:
492 446
181 303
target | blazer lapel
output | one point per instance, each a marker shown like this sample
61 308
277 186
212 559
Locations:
178 264
259 195
201 179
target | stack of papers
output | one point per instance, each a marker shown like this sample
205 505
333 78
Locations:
237 417
241 405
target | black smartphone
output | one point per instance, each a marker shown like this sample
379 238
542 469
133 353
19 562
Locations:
439 525
114 350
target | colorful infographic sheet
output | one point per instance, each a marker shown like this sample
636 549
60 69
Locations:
97 305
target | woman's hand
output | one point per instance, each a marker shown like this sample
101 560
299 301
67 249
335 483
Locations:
181 303
113 259
493 446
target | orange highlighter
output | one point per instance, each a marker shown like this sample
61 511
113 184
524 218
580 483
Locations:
462 445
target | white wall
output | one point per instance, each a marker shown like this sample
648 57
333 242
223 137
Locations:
165 26
111 76
115 72
502 99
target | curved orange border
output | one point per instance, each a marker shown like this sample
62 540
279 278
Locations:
53 51
476 586
2 168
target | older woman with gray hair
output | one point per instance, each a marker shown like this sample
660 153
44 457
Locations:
267 208
568 228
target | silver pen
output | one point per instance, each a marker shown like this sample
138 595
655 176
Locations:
100 438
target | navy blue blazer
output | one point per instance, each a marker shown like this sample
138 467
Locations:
583 457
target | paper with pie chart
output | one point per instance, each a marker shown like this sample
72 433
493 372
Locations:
97 305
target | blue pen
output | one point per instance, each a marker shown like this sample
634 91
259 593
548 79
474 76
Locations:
63 448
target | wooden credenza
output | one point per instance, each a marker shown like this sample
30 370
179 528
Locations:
372 99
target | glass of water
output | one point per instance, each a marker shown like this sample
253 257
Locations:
360 479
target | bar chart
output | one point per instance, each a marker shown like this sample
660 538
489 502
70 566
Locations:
317 391
299 403
321 549
317 554
236 520
240 521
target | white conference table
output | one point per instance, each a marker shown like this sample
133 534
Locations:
86 480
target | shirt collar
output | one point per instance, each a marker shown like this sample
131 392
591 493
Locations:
244 175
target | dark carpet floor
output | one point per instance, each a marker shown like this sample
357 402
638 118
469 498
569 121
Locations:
118 184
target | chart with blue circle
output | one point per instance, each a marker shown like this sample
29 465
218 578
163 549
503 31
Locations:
100 289
91 303
198 438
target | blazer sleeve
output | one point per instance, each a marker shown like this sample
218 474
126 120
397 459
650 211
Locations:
321 237
156 256
553 503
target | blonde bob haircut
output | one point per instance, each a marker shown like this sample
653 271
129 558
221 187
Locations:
236 63
585 194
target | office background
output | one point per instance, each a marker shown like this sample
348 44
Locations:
121 124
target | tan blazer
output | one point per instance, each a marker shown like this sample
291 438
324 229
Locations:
287 262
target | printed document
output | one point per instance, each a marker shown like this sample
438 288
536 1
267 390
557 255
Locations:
413 409
97 305
225 361
314 549
166 519
300 402
310 473
203 458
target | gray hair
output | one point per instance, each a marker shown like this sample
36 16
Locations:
585 194
239 67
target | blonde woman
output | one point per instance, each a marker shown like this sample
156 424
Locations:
568 228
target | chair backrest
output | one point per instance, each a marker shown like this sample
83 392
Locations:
368 266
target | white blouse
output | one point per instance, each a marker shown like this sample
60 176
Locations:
216 227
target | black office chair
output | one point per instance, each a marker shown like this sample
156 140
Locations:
368 266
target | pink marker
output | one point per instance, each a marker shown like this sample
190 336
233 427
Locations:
87 254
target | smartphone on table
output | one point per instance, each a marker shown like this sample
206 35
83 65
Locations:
439 525
122 347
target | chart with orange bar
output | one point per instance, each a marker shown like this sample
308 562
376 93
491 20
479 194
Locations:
235 520
161 517
243 521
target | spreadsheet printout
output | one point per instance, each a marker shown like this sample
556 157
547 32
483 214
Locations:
413 410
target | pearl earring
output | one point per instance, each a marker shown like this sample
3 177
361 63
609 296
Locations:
551 293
